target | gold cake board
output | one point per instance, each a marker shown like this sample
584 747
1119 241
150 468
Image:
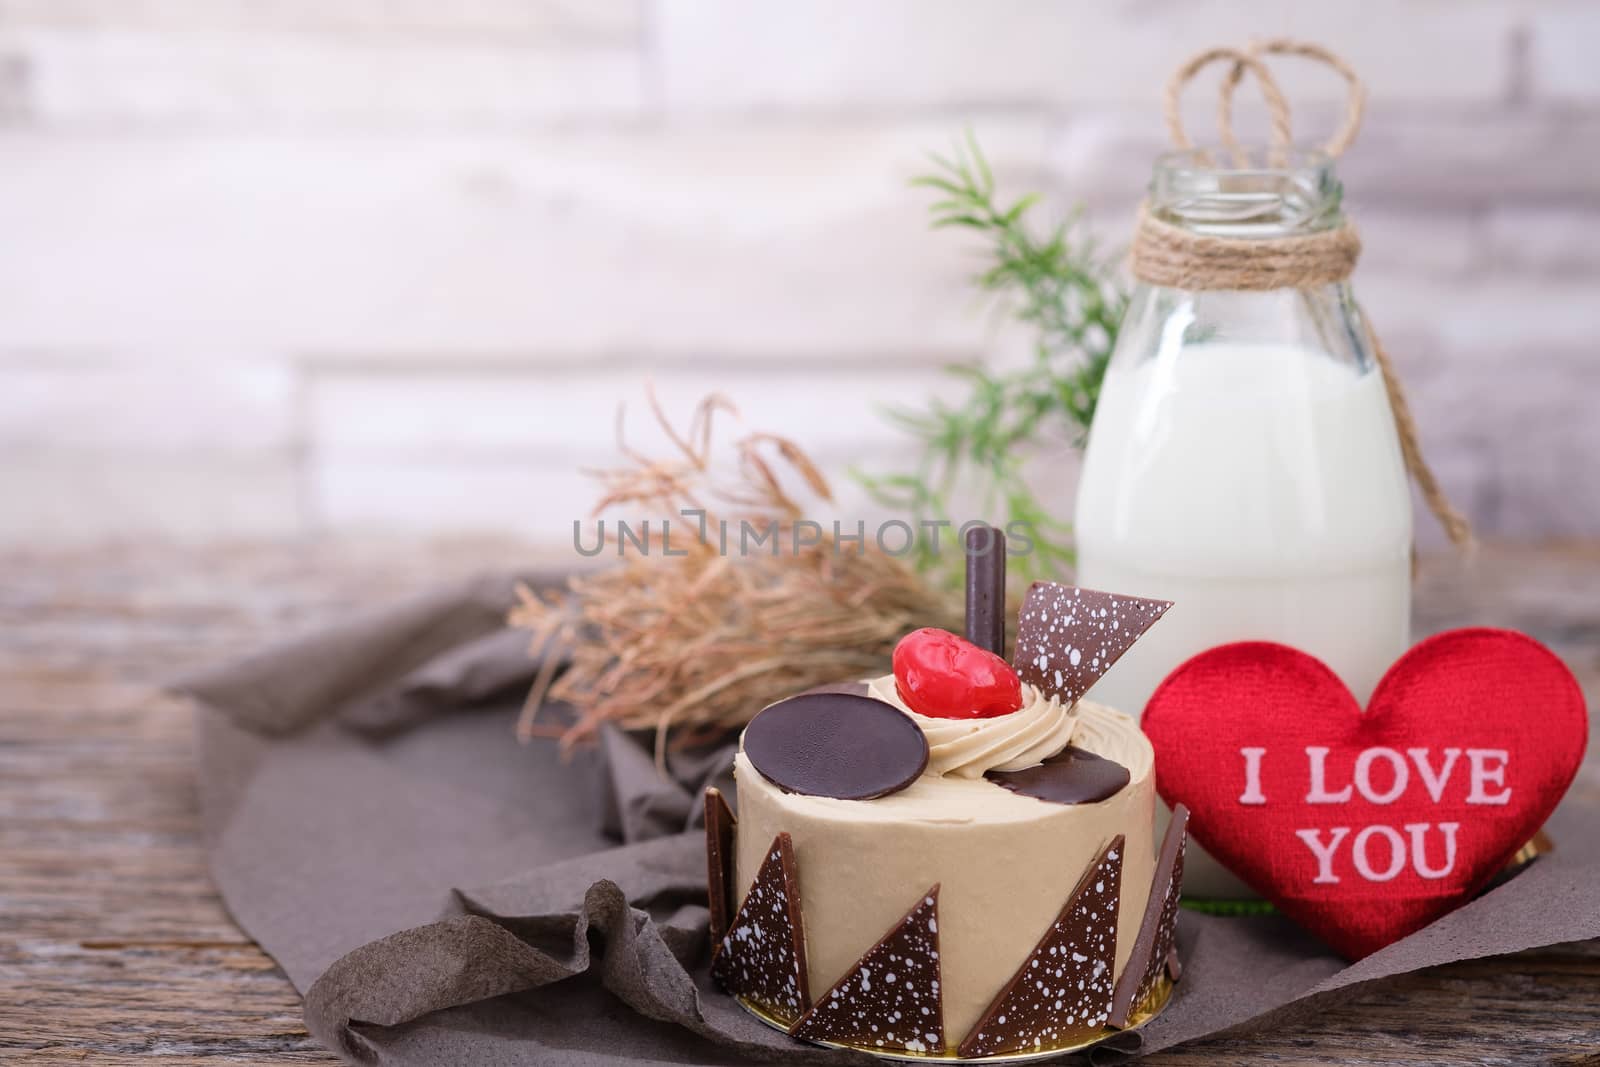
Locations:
1149 1009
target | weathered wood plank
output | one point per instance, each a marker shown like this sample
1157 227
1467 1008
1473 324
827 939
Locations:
114 948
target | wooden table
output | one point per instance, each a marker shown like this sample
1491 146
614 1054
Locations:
114 947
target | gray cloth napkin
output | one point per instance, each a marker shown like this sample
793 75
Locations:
442 894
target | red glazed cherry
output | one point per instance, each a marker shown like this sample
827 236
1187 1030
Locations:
943 676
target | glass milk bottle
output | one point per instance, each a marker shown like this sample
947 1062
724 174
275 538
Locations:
1243 461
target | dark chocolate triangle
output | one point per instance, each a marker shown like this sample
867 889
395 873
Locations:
762 957
890 999
1156 947
1068 637
1061 995
720 824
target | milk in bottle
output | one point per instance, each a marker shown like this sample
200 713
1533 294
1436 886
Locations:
1243 461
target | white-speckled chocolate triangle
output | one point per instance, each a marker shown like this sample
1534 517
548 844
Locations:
762 957
1067 637
890 999
1061 995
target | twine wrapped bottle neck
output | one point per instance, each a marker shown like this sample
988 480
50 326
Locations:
1176 257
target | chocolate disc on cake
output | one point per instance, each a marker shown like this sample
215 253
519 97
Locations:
854 687
836 745
1072 776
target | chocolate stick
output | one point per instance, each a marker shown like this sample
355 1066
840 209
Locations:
986 588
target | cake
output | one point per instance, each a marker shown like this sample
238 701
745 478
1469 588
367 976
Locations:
956 860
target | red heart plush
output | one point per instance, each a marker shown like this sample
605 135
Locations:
1366 826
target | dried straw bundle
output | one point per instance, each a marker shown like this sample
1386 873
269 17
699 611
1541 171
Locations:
693 645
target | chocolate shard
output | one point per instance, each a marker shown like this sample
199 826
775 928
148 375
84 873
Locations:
836 745
1068 637
1061 995
762 957
1156 946
890 999
720 825
986 588
1072 776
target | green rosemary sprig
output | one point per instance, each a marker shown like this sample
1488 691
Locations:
1061 286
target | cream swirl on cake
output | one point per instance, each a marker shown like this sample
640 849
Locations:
1109 733
967 748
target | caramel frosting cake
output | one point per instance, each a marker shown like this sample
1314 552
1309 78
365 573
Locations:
951 861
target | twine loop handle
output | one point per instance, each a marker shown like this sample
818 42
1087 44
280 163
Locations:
1169 255
1248 59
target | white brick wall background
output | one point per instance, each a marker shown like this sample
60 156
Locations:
289 267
